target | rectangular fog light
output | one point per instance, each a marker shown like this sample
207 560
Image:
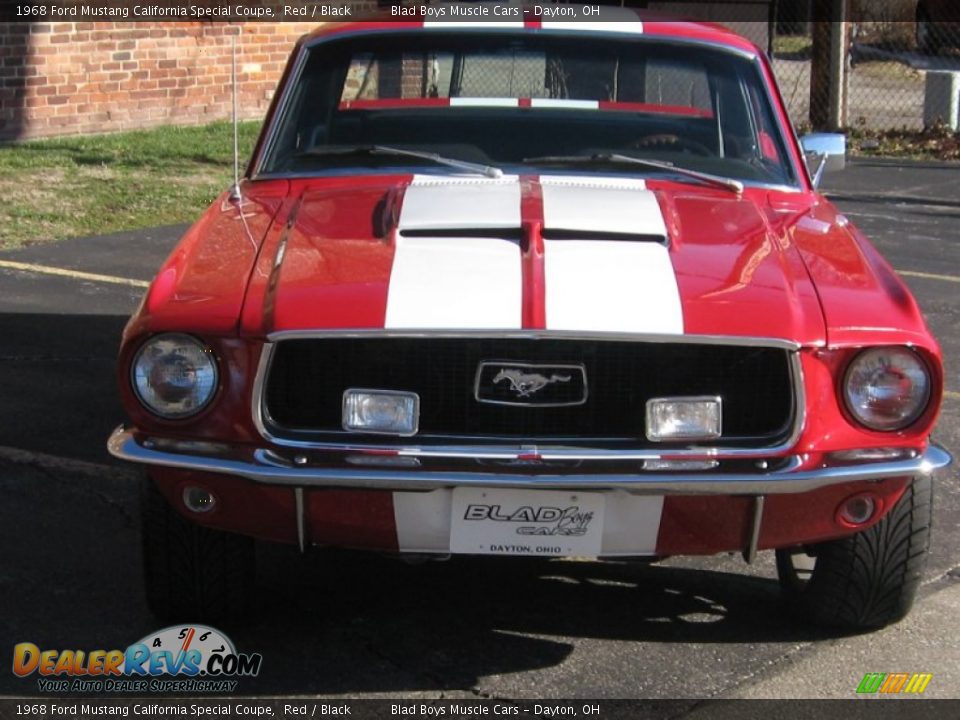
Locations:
683 418
384 412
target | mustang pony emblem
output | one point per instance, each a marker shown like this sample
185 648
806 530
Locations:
526 384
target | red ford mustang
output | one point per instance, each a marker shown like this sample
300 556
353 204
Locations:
532 288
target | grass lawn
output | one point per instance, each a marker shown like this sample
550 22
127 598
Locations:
76 186
796 46
932 144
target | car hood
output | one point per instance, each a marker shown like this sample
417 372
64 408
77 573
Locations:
572 254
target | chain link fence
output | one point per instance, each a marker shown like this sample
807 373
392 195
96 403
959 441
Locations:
883 84
888 50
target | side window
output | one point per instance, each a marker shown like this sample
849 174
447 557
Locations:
736 119
765 132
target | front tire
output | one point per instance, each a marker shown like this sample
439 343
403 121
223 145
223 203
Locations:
867 580
193 573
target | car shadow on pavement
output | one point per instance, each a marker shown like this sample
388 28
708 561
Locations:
445 625
330 622
350 623
58 387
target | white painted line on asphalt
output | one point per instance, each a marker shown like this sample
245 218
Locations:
930 276
74 274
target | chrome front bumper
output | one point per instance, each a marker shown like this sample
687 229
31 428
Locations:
771 476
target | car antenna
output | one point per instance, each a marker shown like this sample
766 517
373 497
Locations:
235 190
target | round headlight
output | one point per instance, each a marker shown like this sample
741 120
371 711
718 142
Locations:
887 388
174 375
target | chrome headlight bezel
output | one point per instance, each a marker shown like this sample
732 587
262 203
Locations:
200 362
906 363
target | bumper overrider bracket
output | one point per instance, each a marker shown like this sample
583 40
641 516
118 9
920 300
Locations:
788 475
750 552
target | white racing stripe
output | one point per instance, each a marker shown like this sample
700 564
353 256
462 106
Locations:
483 102
423 521
591 181
631 523
453 282
611 286
608 285
560 104
606 206
611 26
439 202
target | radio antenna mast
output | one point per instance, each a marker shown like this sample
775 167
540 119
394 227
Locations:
235 190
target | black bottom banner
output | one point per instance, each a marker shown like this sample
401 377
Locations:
299 709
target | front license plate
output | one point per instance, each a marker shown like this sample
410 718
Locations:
526 522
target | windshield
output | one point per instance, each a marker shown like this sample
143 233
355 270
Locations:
527 102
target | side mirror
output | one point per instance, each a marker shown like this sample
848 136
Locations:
830 149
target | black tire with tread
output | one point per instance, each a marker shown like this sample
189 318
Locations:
867 580
193 573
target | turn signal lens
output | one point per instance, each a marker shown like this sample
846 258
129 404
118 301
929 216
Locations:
887 388
198 500
858 510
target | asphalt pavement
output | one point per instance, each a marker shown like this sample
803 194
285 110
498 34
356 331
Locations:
354 625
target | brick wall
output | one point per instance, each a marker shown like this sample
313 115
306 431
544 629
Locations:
69 78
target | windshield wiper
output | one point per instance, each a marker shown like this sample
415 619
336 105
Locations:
370 150
615 158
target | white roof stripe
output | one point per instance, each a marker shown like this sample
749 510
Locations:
564 104
634 27
484 102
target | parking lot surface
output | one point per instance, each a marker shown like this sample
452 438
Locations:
353 625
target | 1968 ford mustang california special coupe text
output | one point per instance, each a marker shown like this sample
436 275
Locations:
556 289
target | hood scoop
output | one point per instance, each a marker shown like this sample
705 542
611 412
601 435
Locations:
433 207
515 233
578 210
569 208
602 236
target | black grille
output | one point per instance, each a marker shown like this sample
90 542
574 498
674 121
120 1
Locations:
306 380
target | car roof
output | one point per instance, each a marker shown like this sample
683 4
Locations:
625 20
